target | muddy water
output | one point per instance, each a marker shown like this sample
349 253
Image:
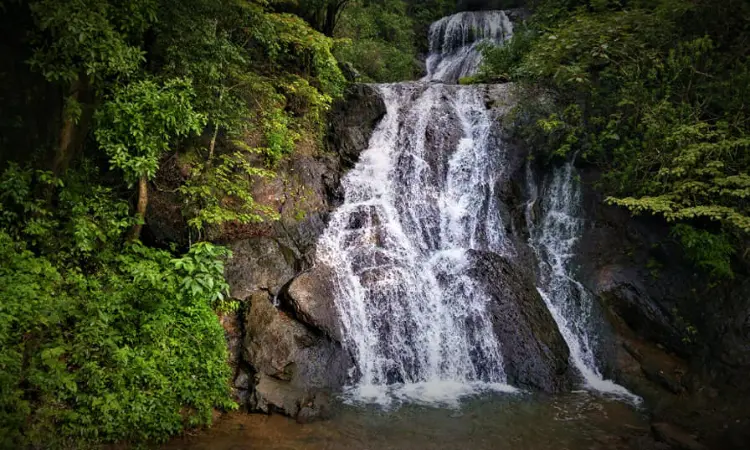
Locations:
571 422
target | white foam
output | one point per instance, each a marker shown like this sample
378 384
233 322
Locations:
444 393
411 315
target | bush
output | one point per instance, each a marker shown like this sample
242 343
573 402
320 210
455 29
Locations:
102 340
377 38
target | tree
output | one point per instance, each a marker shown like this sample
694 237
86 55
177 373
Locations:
79 45
322 15
138 124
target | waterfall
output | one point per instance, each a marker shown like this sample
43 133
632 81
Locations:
553 238
455 42
421 195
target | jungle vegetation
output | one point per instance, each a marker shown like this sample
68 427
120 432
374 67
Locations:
656 95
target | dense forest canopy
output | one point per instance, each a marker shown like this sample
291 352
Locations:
104 337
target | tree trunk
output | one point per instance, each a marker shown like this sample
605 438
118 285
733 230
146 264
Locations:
65 145
212 145
140 211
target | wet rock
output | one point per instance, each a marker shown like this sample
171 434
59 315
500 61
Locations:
632 351
292 362
675 437
271 395
311 296
352 121
656 375
259 263
242 380
534 353
318 407
620 289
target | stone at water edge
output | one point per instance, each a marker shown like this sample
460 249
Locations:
676 437
534 352
292 362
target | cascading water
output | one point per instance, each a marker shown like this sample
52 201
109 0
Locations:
422 194
421 197
455 41
411 316
553 239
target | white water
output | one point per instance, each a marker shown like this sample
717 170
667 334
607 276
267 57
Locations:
553 239
420 196
454 42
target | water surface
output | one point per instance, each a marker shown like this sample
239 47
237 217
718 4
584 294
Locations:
568 422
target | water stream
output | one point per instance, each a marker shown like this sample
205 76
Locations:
553 238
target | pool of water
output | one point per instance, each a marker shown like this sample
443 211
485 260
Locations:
568 422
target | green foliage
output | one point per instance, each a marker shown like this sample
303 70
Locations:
499 63
255 73
659 104
137 125
101 339
117 343
222 193
708 251
377 38
76 38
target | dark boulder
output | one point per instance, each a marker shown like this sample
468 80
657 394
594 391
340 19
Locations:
258 264
311 297
535 354
293 364
352 121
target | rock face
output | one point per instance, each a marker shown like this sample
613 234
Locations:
289 357
534 353
259 263
293 363
641 276
352 122
309 295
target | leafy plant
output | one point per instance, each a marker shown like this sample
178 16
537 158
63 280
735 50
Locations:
377 39
117 343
